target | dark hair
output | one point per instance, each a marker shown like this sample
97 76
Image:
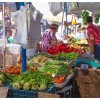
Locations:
89 19
83 28
65 22
54 26
79 26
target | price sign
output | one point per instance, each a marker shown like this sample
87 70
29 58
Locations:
3 92
47 95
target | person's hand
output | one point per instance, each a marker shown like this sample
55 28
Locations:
92 51
38 47
54 43
60 42
66 36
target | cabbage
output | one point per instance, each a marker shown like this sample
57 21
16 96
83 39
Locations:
2 77
34 87
42 87
22 82
27 86
1 83
17 85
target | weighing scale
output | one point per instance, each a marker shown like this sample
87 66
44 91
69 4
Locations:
87 60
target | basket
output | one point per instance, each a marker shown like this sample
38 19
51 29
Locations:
27 94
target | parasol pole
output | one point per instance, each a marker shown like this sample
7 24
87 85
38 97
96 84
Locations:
4 36
66 16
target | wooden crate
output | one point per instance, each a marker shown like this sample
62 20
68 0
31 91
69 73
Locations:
87 83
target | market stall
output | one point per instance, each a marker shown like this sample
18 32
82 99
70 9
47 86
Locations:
47 74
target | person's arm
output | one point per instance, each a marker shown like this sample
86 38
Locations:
91 43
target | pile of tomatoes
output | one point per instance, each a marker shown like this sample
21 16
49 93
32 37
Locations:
59 79
16 70
12 70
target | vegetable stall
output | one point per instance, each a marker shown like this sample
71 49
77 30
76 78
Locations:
49 72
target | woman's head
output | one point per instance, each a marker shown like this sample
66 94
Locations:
54 27
89 20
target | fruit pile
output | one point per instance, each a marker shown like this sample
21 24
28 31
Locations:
12 70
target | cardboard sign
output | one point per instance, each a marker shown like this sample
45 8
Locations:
47 95
3 92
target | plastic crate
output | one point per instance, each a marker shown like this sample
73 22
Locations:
27 94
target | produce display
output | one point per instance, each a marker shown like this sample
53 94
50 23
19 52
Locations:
75 41
12 70
71 40
63 49
83 41
38 60
76 46
97 18
55 67
68 56
2 79
85 14
32 81
43 70
5 78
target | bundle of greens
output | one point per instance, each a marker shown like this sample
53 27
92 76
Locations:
32 81
97 18
56 67
85 14
68 56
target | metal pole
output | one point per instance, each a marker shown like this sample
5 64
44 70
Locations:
4 36
23 59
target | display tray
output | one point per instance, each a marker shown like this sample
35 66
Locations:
65 82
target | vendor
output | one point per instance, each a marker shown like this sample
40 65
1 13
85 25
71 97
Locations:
72 33
93 38
49 38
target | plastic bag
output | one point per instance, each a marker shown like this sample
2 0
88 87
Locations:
74 6
28 27
55 7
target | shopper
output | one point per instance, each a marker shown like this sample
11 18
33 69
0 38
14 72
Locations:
49 38
77 35
93 38
83 33
62 32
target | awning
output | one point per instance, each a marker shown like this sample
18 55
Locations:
93 7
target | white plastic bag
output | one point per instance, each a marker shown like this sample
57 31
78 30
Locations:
27 22
55 7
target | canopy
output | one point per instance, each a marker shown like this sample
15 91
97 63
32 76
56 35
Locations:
94 7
